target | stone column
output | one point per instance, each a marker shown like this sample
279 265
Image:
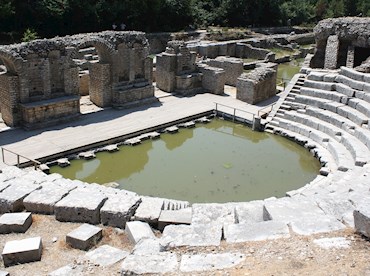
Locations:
100 84
331 52
350 57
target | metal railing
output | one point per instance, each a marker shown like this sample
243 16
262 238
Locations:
262 111
35 163
234 110
282 82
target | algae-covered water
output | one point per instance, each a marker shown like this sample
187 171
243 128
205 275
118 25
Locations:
287 70
216 162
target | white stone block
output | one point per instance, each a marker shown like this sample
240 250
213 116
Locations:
181 216
22 251
84 237
15 222
149 209
137 230
106 255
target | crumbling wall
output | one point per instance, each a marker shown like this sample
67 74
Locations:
256 86
233 68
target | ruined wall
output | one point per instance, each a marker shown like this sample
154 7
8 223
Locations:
9 87
256 86
337 41
233 68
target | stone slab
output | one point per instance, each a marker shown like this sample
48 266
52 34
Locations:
148 247
210 262
22 251
11 199
213 213
362 219
84 237
303 215
249 212
15 222
149 209
181 216
4 273
138 230
192 235
119 209
43 200
106 255
150 264
266 230
80 205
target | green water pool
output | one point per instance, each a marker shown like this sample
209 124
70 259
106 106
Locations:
216 162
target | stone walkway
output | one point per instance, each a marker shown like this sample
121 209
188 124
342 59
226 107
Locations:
110 123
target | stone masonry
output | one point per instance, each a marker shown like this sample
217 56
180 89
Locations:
40 85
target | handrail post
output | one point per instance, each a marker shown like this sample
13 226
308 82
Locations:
234 115
2 153
18 160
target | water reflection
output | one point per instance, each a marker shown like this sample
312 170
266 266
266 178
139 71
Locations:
175 142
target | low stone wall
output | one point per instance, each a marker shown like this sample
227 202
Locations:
233 68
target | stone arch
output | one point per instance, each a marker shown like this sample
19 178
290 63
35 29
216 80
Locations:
104 49
10 88
13 64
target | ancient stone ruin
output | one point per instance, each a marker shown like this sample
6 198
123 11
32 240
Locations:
257 85
341 42
40 83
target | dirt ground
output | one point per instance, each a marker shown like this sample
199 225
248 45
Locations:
298 255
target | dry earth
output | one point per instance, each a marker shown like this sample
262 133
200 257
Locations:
298 255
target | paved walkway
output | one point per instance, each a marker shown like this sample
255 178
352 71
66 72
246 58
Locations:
111 123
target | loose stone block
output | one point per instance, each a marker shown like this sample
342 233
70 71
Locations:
249 212
149 209
210 262
22 251
148 247
181 216
87 155
63 162
106 255
150 264
43 200
172 129
362 219
119 209
137 230
192 235
84 237
15 222
266 230
11 199
80 205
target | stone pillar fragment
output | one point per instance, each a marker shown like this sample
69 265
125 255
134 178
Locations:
331 52
100 84
350 57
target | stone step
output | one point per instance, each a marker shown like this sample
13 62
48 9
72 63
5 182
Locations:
325 86
105 255
132 142
360 105
316 76
358 85
172 129
149 210
341 155
358 150
323 94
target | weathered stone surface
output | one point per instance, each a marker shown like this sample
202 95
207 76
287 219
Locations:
80 205
181 216
15 222
106 255
119 209
149 209
137 230
362 219
304 216
266 230
210 262
84 237
4 273
150 264
22 251
213 213
192 235
148 247
249 212
43 200
11 199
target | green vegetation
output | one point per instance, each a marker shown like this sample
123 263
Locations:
61 17
29 35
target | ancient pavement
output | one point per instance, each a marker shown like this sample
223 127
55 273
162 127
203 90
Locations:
101 126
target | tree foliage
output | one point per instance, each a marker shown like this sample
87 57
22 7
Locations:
61 17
